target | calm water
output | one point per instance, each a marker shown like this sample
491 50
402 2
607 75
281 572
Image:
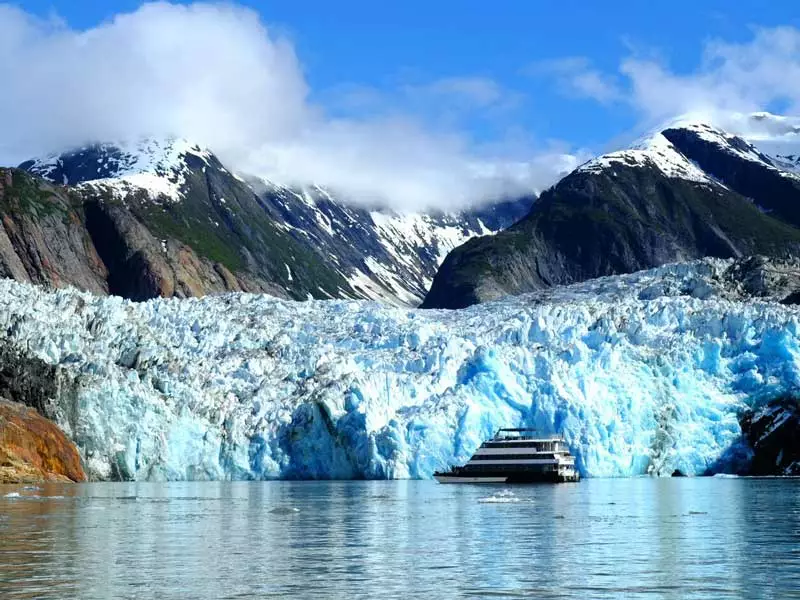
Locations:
671 538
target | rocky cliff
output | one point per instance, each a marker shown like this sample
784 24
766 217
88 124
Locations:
773 436
57 236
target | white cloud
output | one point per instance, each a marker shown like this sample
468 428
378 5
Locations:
730 77
575 75
215 74
472 91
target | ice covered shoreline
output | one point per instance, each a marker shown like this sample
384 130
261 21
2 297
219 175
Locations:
643 373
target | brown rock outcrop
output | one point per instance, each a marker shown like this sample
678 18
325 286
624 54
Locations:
33 449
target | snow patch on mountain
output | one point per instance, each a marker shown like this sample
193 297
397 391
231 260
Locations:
770 140
655 151
442 232
157 166
415 245
385 255
642 373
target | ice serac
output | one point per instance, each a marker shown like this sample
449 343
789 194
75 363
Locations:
643 373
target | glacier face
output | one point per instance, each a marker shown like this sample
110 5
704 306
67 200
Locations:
641 373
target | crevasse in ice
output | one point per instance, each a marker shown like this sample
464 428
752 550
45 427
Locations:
641 373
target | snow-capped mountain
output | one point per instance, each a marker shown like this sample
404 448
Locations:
157 166
374 254
186 227
675 368
686 191
654 151
770 181
768 140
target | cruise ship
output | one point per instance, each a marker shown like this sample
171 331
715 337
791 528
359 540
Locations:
516 456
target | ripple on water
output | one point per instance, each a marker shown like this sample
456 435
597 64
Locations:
501 497
683 538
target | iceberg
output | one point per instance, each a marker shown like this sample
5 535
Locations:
641 373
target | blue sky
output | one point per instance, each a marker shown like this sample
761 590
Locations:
469 80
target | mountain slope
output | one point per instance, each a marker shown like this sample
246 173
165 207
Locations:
168 219
384 255
769 182
146 199
58 236
658 202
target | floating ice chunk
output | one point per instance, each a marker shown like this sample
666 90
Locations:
501 497
284 510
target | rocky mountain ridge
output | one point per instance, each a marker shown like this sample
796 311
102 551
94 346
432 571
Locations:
170 219
688 191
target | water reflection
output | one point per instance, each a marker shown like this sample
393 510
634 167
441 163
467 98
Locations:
670 538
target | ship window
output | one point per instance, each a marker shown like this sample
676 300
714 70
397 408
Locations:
515 445
511 456
508 468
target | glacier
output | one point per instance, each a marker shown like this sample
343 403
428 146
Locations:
641 373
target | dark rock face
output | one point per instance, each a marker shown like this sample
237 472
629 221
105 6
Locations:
773 434
775 193
618 220
139 249
32 448
43 239
28 380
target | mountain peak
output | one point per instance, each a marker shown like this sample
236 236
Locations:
654 151
663 147
156 165
761 137
688 190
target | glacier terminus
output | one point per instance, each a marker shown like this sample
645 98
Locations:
644 373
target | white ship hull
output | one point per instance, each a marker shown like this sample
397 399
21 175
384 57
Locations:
456 479
514 478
